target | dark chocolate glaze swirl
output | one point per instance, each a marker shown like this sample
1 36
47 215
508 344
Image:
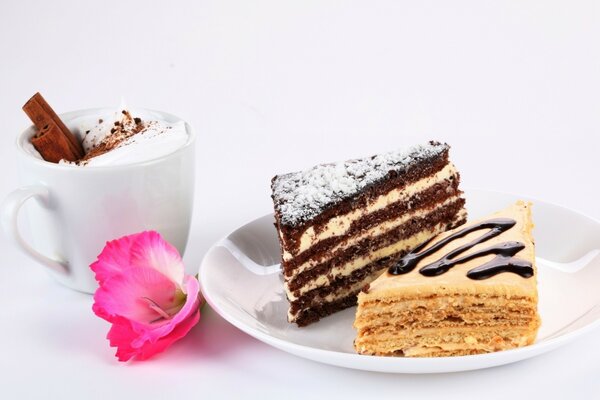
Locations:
503 262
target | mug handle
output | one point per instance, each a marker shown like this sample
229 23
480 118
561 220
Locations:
9 211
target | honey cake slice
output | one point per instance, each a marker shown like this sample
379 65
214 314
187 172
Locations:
342 224
469 290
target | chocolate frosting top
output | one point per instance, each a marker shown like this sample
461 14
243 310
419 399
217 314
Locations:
301 196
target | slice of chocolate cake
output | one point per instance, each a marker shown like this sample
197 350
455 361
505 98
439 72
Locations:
340 225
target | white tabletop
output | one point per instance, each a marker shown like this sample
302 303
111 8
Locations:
272 87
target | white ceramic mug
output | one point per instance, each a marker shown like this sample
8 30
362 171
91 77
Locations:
73 211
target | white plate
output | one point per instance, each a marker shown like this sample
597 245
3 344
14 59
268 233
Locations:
240 282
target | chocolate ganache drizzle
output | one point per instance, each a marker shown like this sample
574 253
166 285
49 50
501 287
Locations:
503 262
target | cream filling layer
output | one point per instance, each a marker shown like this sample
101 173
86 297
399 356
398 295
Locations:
470 343
360 262
339 225
377 230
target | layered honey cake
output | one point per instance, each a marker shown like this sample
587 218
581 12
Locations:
467 291
342 224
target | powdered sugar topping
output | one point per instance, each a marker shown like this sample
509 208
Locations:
300 196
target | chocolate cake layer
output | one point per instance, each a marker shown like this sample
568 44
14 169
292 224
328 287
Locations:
307 299
368 245
422 166
426 199
308 316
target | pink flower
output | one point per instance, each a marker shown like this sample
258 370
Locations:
145 294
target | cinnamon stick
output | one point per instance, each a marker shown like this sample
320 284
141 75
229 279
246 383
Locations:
53 145
53 139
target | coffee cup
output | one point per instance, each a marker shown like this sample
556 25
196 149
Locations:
74 210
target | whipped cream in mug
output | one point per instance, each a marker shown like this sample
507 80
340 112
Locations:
124 137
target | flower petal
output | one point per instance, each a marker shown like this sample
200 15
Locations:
149 348
192 303
114 258
133 294
120 335
150 250
124 334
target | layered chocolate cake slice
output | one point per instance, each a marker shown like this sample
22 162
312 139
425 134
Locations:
341 224
470 290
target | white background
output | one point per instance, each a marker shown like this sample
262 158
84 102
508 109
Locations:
275 86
